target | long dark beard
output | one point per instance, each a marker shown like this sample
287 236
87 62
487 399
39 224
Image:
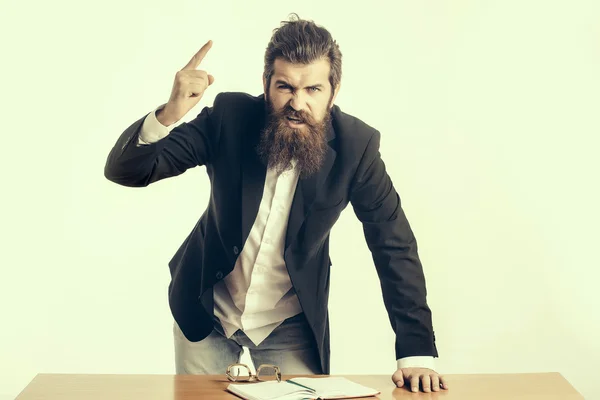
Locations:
280 143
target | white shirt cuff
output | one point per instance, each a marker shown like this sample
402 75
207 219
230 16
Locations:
152 130
417 362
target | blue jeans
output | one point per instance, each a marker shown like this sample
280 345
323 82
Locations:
290 346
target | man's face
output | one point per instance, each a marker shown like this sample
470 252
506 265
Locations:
302 88
299 100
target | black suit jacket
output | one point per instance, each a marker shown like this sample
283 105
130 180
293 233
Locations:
223 138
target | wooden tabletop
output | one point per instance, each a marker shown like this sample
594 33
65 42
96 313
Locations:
537 386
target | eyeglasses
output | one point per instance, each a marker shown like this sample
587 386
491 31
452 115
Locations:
265 372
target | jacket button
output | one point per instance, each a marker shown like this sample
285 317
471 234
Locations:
219 275
236 250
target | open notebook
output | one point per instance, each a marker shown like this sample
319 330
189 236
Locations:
302 388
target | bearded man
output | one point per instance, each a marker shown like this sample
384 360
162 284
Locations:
283 165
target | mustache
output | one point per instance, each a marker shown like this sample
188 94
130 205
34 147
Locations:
302 116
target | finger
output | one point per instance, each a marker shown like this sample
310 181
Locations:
194 74
435 383
398 379
195 91
197 76
197 87
197 81
426 383
199 56
443 382
414 383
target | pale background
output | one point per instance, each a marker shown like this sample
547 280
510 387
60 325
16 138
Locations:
489 113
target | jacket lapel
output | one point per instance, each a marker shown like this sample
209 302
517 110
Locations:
307 190
253 176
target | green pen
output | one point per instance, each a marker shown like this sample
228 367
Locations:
305 387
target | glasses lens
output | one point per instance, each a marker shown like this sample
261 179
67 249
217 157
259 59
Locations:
267 373
240 374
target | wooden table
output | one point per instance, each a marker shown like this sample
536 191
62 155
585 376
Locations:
545 386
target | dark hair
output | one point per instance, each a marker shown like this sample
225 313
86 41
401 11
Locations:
302 42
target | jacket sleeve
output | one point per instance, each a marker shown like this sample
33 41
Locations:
394 250
188 145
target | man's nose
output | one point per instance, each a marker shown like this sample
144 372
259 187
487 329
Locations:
298 103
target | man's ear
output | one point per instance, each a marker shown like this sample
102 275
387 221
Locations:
265 85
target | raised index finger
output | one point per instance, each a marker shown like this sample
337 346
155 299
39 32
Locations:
199 56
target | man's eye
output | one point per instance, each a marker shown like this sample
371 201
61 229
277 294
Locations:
283 87
314 89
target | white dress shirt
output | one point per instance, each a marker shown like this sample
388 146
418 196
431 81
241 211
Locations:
257 296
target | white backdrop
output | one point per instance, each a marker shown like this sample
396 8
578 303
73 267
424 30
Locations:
489 119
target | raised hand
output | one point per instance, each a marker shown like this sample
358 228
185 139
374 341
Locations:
188 87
